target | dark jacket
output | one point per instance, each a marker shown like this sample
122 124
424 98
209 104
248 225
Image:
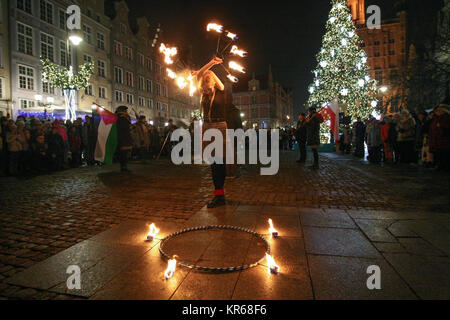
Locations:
300 132
55 144
313 129
124 139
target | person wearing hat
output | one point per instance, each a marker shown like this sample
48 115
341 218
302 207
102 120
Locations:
124 140
313 121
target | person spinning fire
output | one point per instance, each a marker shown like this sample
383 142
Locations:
215 108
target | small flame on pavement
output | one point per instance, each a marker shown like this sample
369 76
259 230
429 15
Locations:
271 265
272 230
153 231
171 266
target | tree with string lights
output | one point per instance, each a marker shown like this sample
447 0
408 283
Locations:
342 72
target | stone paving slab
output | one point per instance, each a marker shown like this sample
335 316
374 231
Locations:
327 219
428 276
346 277
338 242
376 230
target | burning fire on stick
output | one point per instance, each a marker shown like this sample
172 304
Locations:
271 265
171 74
236 51
152 232
272 230
168 52
232 78
235 66
171 266
215 27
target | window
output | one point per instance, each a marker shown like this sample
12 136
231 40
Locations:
150 103
2 82
149 63
149 86
141 83
362 45
391 40
87 58
63 16
141 102
254 99
123 28
118 75
254 113
158 105
24 5
379 76
117 48
164 107
141 59
47 46
24 39
129 53
102 92
158 68
391 52
102 68
24 104
26 77
64 58
164 91
46 11
130 98
376 43
98 18
119 96
87 34
88 90
100 41
129 78
89 12
377 54
47 87
158 89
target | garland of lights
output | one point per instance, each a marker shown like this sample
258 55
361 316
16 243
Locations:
342 69
64 78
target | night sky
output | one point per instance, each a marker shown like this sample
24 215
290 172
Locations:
286 34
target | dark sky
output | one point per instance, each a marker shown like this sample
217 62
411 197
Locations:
286 34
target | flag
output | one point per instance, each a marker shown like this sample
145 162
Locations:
330 114
106 136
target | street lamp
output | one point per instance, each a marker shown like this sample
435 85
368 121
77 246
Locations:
75 37
242 114
383 89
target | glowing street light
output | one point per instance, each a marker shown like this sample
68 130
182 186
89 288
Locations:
383 89
75 37
242 114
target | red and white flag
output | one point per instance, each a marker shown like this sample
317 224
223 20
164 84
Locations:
330 114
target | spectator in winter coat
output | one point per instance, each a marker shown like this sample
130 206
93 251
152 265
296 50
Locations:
142 138
300 136
15 146
360 133
39 148
56 149
406 137
75 146
125 142
313 122
374 141
440 136
385 125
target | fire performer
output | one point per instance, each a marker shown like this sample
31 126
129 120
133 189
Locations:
215 107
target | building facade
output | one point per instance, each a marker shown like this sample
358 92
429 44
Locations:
263 102
95 47
37 28
5 81
386 52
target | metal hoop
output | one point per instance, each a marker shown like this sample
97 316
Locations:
214 269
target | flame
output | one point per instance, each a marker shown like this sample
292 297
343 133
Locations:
214 26
232 36
153 231
168 52
232 78
181 82
236 51
171 266
192 87
171 74
235 66
271 264
272 230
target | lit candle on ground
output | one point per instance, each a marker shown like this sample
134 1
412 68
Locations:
171 266
152 232
271 265
272 230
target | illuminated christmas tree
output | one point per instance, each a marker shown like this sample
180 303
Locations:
342 71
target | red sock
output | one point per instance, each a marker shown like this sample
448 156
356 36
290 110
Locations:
219 192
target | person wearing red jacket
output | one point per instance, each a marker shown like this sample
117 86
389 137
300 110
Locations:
385 138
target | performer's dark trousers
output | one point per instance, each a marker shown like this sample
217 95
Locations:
302 149
219 172
123 158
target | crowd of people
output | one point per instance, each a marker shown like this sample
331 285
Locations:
32 146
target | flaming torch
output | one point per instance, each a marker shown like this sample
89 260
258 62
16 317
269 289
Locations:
272 230
235 66
271 265
192 87
181 82
152 232
171 266
215 27
232 78
236 51
168 52
171 74
232 36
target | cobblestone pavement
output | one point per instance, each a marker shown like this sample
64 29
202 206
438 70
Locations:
42 216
